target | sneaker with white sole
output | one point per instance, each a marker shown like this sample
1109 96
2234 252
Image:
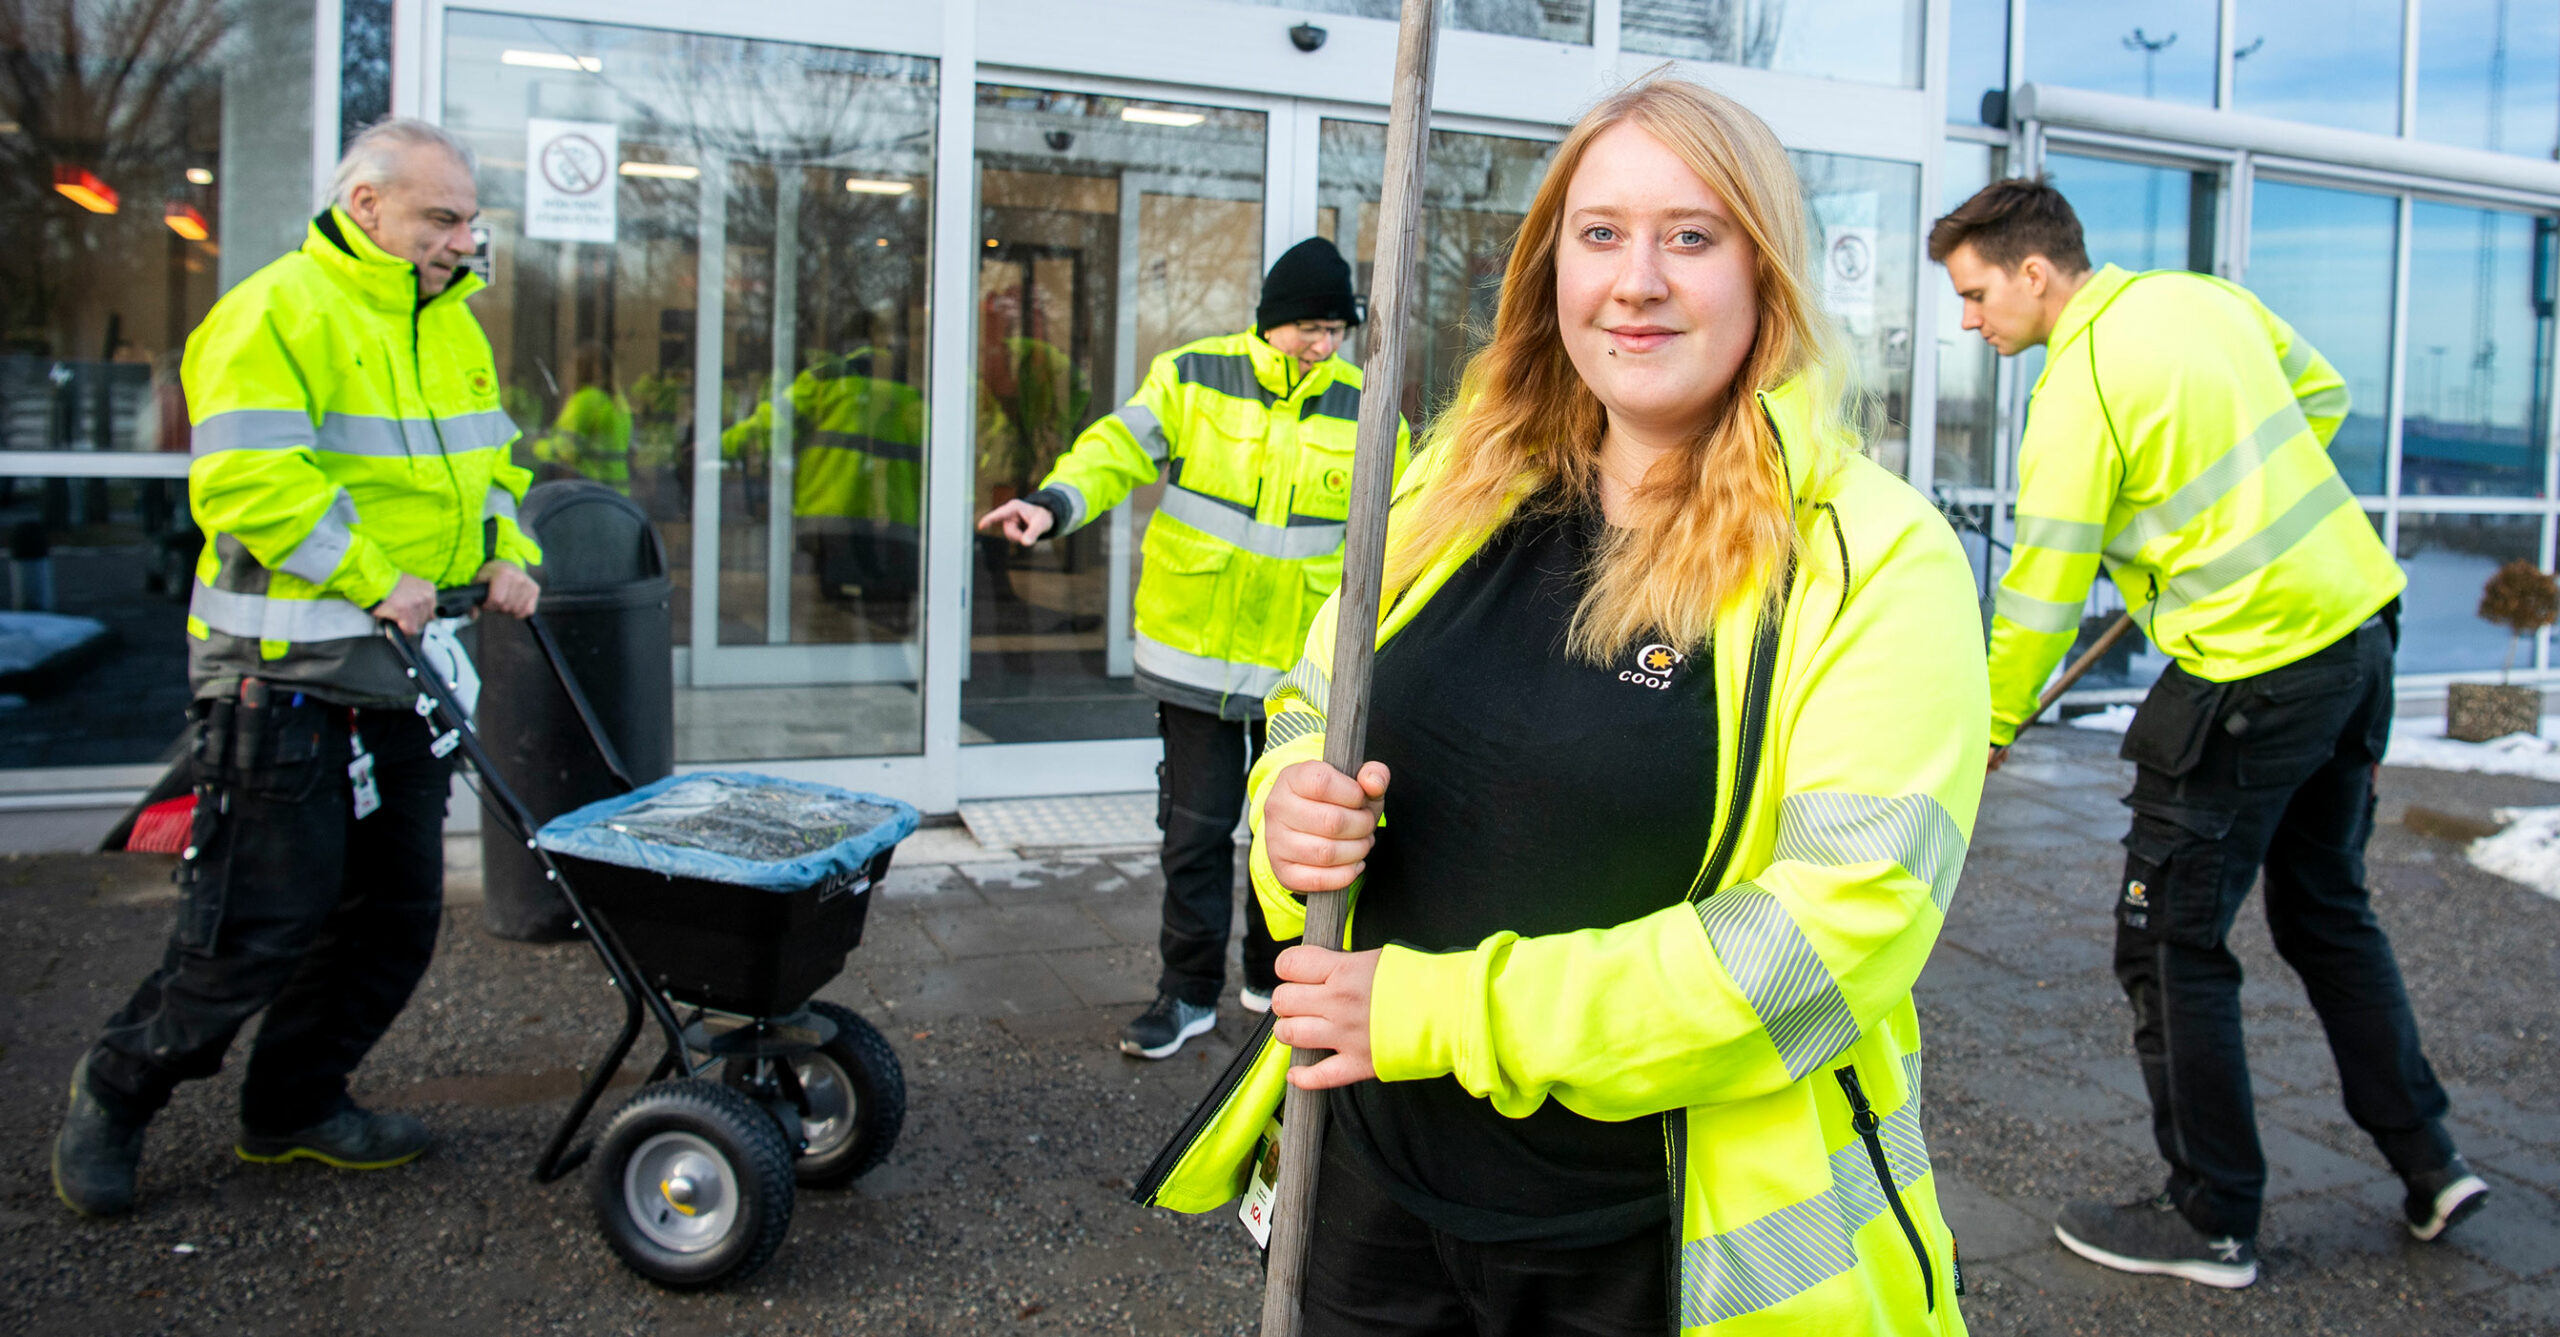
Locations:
2439 1198
1167 1022
2153 1239
1255 1000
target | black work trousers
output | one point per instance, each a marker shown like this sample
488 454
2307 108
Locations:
290 905
2276 771
1200 788
1377 1270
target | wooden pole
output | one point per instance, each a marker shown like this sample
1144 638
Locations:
1356 625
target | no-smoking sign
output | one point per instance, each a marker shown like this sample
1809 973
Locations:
569 189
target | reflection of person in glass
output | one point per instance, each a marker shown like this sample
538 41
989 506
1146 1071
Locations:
1679 696
857 467
1031 397
350 458
592 437
2180 436
1253 432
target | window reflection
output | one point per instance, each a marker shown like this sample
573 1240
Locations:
2322 260
1865 217
1544 20
2480 324
95 617
1865 41
2448 558
2489 75
1110 231
2138 215
2141 48
772 200
1475 189
1968 368
1977 56
2336 63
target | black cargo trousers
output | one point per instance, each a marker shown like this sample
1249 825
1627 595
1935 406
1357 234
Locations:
2273 770
289 904
1200 792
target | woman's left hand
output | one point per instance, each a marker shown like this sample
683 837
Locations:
1323 1003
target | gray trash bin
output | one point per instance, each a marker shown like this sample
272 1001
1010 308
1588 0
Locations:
605 597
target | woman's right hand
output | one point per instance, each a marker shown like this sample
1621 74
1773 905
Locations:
1318 824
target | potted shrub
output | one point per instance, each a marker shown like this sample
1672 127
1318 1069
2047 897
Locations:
2524 599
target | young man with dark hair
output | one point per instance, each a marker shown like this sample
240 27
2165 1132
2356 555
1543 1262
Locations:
2180 433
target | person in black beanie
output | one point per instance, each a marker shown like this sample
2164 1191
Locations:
1252 434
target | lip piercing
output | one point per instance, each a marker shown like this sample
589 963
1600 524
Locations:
1613 352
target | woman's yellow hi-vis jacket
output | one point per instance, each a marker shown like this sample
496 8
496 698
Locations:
345 433
1767 1022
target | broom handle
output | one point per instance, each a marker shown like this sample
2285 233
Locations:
1356 624
2079 667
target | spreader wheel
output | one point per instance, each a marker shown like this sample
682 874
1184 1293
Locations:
692 1184
853 1099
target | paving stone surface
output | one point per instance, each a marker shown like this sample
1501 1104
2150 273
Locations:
1001 980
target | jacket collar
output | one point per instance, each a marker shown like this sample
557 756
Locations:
1808 444
2084 307
382 279
1278 371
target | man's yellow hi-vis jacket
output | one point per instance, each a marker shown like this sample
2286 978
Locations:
1767 1022
2181 431
345 434
1248 539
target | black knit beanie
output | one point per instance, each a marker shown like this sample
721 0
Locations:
1311 282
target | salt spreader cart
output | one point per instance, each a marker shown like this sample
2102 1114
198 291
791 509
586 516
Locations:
719 903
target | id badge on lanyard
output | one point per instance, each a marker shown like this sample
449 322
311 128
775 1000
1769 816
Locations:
368 795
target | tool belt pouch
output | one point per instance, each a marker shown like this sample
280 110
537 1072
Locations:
272 748
2169 731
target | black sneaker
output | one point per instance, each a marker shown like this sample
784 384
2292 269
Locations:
1167 1022
2439 1198
96 1155
2151 1238
351 1139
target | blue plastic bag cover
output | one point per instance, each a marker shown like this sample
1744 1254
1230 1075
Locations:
734 827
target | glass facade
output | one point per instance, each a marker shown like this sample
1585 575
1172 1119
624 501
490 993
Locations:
2323 259
1977 60
2489 75
1968 369
1866 219
2448 558
2161 49
2477 421
2140 215
1864 41
2329 64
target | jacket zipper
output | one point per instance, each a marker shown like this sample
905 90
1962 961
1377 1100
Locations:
1675 1135
1162 1167
1863 1118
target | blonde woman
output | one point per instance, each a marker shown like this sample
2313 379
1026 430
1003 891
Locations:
1681 700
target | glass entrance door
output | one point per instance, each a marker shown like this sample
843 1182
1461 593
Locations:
1111 229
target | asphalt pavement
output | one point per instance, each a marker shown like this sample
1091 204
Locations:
1002 979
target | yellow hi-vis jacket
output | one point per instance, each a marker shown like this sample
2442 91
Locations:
2181 431
345 434
1247 541
1767 1022
858 449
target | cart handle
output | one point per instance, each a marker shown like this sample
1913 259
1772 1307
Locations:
463 600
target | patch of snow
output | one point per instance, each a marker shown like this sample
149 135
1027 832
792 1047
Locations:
2113 719
2528 851
2421 743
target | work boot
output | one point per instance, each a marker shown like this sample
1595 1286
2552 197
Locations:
351 1139
1167 1022
2439 1198
96 1154
2152 1238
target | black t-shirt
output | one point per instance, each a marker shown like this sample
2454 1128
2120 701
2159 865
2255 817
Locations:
1534 792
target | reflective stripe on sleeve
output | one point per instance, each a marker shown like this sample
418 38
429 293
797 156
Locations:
251 429
1838 829
1144 425
1308 683
1796 1248
2071 536
2216 481
501 503
1283 727
351 433
2330 403
1788 987
2252 554
2036 614
259 617
1076 507
1218 520
316 558
2296 360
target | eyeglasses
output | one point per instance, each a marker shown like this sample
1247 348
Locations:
1329 329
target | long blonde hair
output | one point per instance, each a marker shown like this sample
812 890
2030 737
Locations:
1714 523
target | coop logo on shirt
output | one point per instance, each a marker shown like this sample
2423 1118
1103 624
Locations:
1654 666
